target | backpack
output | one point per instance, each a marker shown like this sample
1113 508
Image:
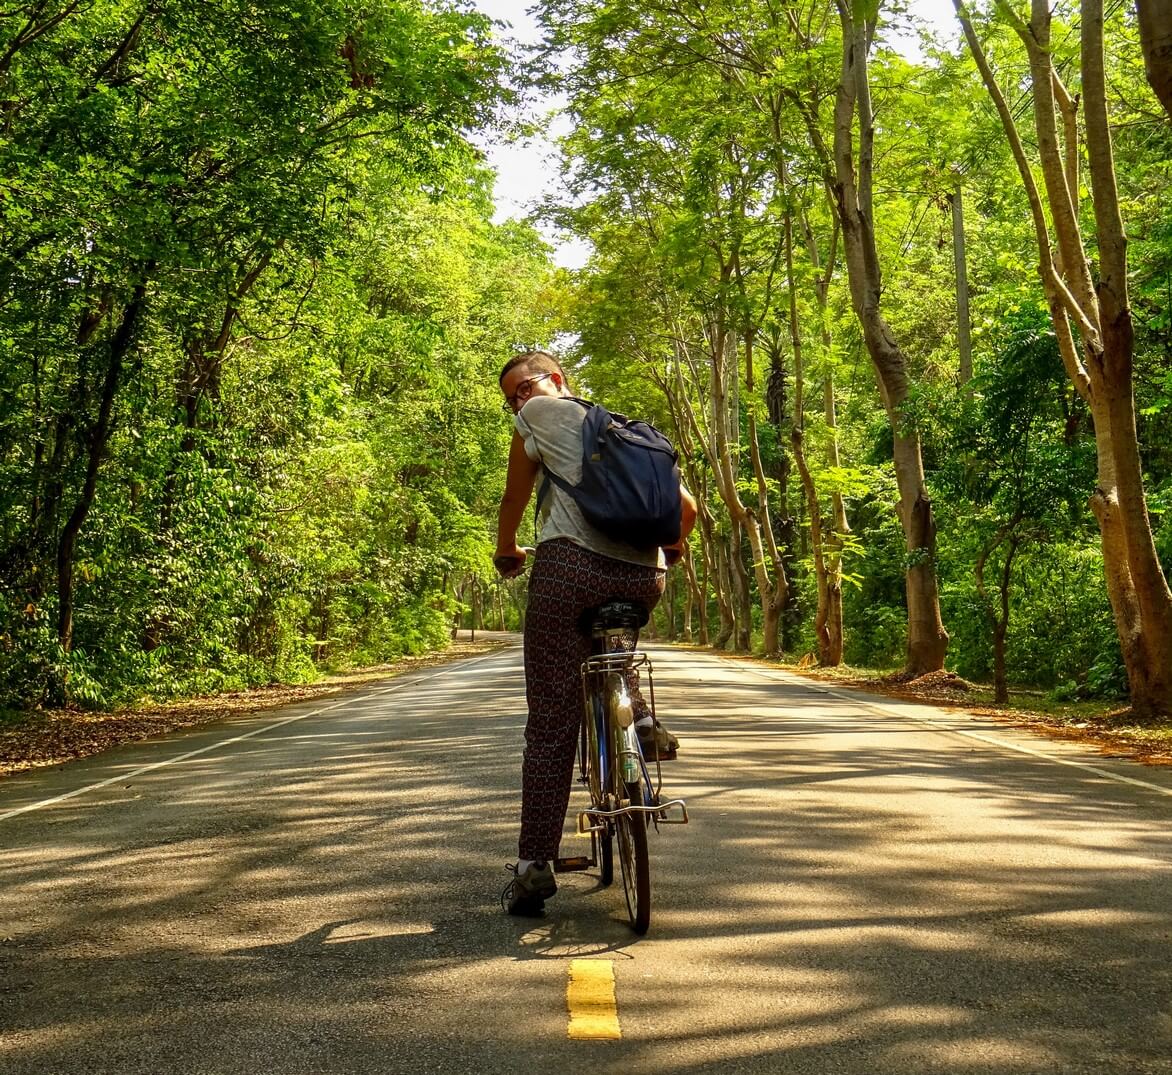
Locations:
630 486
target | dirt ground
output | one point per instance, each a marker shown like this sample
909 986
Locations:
51 737
1110 727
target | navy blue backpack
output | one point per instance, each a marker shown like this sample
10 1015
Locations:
630 487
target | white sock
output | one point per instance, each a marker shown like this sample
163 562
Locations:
644 722
523 865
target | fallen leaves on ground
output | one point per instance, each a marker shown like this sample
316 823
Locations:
1110 728
53 736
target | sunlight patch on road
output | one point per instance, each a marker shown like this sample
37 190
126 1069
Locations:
590 997
991 1054
349 932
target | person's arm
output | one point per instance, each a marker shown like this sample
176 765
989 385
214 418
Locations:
688 512
522 473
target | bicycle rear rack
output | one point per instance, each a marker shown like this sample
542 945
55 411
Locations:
596 672
595 820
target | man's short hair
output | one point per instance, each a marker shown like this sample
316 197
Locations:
535 362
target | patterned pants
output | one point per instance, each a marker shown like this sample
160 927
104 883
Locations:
565 581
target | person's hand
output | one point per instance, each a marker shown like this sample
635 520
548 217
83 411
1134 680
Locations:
510 562
672 553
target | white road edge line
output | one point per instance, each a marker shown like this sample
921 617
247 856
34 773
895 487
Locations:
891 711
235 739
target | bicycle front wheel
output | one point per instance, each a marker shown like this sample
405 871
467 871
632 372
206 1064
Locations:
636 870
604 853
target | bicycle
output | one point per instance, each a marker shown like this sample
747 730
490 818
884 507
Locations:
624 801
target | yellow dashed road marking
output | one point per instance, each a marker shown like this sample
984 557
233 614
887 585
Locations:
594 1012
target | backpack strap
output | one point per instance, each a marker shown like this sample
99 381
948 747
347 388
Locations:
543 491
548 476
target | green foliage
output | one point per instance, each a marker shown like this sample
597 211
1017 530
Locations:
874 606
1017 459
254 307
247 421
1063 632
697 131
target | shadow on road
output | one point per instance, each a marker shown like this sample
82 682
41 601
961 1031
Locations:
846 899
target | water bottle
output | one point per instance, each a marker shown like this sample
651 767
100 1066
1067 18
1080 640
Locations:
630 755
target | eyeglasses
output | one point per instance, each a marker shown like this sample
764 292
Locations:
512 403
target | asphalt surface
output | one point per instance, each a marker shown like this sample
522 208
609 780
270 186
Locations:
865 887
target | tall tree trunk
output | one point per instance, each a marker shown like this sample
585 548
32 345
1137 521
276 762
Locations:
724 593
963 332
697 483
769 569
669 606
834 538
726 424
835 528
1099 311
999 618
782 520
829 646
98 438
742 597
710 573
1001 628
773 591
694 600
927 640
1155 35
713 436
718 436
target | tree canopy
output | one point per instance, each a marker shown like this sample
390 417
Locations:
907 319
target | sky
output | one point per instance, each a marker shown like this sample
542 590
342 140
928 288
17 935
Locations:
527 170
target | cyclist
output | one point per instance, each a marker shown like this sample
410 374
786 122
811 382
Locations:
575 568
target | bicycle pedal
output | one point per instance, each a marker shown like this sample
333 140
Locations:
572 863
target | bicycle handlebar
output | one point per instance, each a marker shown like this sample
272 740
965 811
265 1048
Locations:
510 566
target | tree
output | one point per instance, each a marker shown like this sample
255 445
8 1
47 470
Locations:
852 185
1014 459
1155 25
1091 301
687 188
180 188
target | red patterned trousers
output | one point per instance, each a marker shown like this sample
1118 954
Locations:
566 579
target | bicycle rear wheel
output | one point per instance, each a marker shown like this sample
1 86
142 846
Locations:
636 870
596 768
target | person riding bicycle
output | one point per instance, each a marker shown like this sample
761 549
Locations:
575 568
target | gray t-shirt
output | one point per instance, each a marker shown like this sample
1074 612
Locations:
551 427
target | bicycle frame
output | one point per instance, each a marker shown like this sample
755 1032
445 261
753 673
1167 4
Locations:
607 742
623 800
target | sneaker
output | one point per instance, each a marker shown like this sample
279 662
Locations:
527 892
655 740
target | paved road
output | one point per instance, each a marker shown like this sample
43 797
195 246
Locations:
865 887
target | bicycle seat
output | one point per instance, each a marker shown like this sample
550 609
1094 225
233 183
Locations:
629 614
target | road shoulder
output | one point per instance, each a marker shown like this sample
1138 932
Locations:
51 737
